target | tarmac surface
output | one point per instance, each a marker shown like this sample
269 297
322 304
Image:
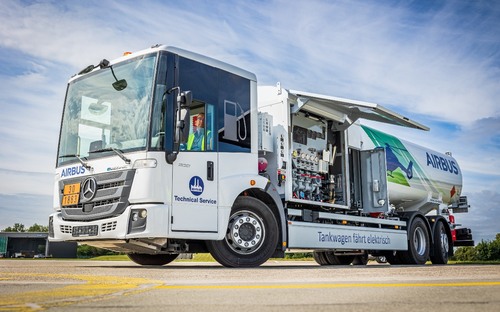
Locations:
60 285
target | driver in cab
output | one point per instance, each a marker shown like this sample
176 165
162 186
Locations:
196 139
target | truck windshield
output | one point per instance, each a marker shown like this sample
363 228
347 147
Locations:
97 118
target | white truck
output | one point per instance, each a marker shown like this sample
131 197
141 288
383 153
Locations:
165 151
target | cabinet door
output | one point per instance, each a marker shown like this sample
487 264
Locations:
374 180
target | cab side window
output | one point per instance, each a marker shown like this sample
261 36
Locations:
201 125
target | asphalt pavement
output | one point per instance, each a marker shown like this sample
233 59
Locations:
59 285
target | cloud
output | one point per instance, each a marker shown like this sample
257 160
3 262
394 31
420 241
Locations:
433 60
482 217
23 182
79 29
26 209
478 147
30 117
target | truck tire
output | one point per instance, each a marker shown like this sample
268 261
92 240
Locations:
319 257
145 259
360 260
441 245
381 259
394 257
418 244
251 237
338 260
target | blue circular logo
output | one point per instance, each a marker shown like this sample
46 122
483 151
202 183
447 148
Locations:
196 186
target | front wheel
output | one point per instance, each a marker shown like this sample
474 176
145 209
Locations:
251 236
145 259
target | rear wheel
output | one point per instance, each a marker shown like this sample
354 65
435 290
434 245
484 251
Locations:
418 244
360 260
251 236
145 259
441 245
329 258
319 257
393 257
338 260
381 259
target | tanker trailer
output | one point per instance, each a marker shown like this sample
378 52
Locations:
418 178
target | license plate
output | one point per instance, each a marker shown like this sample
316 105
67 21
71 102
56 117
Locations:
85 230
71 189
70 200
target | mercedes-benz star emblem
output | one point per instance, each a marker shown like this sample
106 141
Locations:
89 189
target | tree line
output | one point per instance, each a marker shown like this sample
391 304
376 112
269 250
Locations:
18 227
484 251
83 251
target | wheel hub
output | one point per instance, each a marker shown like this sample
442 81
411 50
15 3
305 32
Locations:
419 241
444 242
246 232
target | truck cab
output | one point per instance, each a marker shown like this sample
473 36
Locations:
126 177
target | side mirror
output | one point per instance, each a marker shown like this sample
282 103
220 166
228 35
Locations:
185 99
183 103
184 121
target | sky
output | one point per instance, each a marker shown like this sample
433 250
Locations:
436 62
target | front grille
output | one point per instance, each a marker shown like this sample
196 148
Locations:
66 229
109 226
105 227
110 199
110 185
97 203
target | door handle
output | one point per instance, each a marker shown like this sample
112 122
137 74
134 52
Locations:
210 170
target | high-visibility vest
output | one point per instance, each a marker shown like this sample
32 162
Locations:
191 140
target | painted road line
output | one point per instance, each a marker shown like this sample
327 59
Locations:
83 288
315 286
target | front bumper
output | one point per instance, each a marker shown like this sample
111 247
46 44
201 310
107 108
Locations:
122 227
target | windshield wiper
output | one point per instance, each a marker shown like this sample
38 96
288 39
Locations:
112 149
87 166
